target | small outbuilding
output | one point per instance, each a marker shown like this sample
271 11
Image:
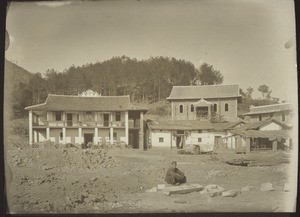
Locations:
269 134
180 133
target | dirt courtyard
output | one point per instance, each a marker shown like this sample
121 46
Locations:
71 180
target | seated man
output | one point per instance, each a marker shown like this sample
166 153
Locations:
174 176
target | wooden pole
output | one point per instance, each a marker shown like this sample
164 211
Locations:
141 145
30 127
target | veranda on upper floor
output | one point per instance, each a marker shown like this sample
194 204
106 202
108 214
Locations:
85 119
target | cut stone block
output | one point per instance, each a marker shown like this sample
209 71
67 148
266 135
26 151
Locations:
182 189
266 186
230 193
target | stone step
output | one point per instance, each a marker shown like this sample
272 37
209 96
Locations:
184 189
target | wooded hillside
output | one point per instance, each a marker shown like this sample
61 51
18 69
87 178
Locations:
146 81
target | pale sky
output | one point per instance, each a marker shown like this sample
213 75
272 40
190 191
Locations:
243 39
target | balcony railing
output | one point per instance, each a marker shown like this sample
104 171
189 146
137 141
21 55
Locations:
81 123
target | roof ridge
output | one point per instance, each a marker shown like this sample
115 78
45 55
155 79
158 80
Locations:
263 106
32 106
50 94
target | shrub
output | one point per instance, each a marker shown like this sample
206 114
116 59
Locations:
19 127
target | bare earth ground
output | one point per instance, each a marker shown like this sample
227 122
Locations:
70 180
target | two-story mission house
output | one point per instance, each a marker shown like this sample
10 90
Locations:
198 102
87 117
192 108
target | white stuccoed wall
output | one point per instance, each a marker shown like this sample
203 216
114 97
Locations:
167 139
192 139
271 126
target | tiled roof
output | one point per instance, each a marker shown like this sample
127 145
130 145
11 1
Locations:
79 103
181 125
272 135
257 125
204 91
270 108
133 107
226 125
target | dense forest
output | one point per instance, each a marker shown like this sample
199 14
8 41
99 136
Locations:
145 81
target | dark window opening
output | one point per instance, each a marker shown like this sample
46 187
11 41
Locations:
118 116
180 132
161 139
199 139
192 108
106 120
69 119
181 108
199 131
114 135
89 115
283 117
215 107
202 112
226 107
260 118
61 135
58 116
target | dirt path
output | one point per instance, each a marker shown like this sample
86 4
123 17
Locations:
97 181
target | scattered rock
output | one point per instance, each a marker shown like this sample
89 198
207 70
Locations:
238 162
266 186
70 145
230 193
212 186
161 187
212 190
110 197
45 167
93 179
247 188
154 189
